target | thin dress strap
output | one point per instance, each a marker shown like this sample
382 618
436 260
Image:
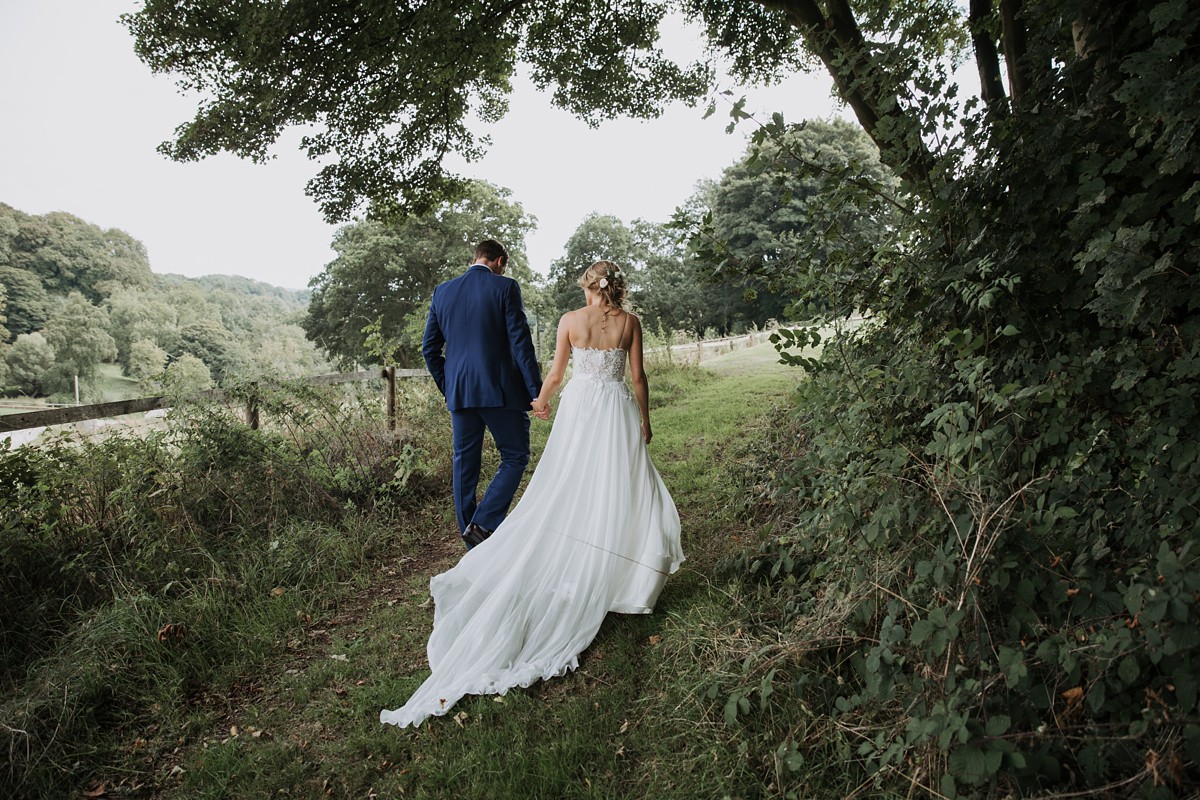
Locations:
624 323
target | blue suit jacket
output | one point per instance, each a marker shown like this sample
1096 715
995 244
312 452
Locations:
477 344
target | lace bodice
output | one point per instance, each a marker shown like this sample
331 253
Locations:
604 365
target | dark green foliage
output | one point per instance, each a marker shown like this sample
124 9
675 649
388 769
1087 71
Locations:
78 332
135 570
67 254
391 88
991 563
370 303
27 303
801 200
783 229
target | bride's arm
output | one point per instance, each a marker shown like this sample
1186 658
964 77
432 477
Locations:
562 353
637 374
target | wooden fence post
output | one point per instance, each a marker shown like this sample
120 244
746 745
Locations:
389 374
252 407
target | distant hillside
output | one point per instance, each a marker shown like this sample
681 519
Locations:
74 296
294 299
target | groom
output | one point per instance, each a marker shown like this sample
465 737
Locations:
478 348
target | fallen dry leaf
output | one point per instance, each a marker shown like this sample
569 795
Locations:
277 591
172 631
99 791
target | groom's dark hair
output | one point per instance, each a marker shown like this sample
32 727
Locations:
491 250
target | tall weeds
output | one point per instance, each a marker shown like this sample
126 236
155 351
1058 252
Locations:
137 571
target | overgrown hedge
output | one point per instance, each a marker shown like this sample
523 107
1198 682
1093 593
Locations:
988 574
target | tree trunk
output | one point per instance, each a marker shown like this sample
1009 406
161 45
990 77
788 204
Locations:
1014 48
987 58
838 41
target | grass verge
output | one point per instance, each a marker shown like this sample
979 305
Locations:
285 688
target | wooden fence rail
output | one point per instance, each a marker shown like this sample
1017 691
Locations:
63 416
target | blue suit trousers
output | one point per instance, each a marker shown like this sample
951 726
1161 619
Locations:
510 432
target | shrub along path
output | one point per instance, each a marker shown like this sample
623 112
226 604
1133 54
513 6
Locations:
631 722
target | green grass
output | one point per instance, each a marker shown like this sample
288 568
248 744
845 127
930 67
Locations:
115 386
614 728
294 646
110 385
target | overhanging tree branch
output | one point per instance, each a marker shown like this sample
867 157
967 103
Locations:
837 40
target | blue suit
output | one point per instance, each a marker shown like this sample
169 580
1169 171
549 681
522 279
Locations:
478 348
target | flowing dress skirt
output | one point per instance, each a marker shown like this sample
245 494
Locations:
595 531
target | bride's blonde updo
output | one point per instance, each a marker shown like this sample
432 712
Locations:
606 279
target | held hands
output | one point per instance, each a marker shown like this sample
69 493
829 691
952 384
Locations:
541 410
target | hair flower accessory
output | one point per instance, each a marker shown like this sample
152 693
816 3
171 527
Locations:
603 282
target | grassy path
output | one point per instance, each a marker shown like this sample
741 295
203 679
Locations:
626 724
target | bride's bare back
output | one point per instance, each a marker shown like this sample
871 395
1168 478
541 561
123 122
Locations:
598 326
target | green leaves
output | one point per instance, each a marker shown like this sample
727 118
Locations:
999 463
385 91
369 304
805 340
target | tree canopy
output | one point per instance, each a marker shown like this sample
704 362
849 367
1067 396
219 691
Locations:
68 254
775 215
392 88
369 303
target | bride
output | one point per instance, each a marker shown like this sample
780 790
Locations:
595 531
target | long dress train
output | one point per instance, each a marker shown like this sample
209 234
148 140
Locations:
595 531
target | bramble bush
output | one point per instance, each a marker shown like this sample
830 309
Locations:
986 569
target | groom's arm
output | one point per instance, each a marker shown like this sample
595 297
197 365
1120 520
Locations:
521 341
433 348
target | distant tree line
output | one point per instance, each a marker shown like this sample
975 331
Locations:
74 296
728 261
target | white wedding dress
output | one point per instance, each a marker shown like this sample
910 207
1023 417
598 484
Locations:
595 531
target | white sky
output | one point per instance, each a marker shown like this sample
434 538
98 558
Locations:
80 117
